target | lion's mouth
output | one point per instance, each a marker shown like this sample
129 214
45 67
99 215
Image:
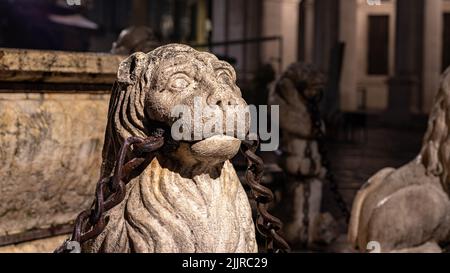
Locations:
220 147
218 137
215 138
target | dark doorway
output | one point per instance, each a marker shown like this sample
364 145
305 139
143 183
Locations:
446 42
378 45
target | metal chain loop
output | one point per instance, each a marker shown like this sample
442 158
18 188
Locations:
266 224
110 191
318 133
307 191
306 196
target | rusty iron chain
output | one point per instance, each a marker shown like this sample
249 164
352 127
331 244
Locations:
267 225
110 191
307 192
306 196
319 135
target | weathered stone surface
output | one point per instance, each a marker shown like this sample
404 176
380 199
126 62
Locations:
50 141
17 65
47 245
189 199
408 209
50 154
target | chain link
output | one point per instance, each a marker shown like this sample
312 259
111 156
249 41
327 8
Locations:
306 192
110 191
318 133
266 224
306 196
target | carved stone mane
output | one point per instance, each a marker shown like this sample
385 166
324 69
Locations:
436 143
408 209
189 200
165 212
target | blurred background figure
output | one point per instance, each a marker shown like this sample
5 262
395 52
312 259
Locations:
135 39
298 93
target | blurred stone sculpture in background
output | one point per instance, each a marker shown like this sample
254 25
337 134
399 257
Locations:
135 39
298 92
408 209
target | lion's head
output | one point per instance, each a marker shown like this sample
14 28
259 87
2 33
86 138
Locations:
305 79
134 39
435 153
299 85
189 198
150 85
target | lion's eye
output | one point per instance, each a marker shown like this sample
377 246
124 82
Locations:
224 77
179 81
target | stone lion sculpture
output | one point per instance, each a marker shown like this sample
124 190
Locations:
135 39
188 200
408 209
298 84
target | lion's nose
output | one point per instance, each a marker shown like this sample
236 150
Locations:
221 99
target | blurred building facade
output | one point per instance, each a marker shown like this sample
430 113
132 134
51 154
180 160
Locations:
394 50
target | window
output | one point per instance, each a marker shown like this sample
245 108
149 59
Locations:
378 45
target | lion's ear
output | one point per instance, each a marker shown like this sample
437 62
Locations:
131 69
